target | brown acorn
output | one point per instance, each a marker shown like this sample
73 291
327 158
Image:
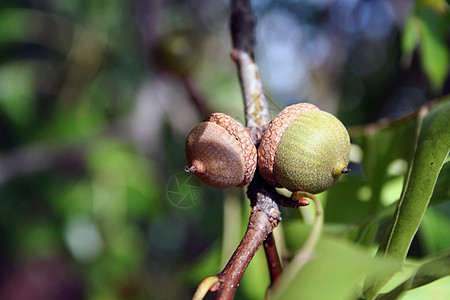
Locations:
304 149
220 152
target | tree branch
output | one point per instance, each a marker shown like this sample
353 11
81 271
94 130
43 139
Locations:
265 214
196 97
273 261
264 218
242 25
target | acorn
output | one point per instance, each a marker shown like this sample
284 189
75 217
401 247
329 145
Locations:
220 152
304 149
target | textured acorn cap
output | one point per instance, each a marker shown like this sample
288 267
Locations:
272 136
220 152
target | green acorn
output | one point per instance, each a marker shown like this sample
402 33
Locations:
304 149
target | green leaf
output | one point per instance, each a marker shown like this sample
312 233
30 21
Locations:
437 290
17 84
427 26
434 50
434 231
411 35
256 278
428 272
344 203
207 263
431 151
431 271
381 144
14 25
442 188
123 182
334 272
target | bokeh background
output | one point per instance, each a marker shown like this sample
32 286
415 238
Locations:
97 97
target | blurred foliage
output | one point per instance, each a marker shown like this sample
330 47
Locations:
428 26
96 98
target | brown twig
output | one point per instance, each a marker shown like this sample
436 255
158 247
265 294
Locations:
265 214
258 229
264 218
197 98
372 128
242 24
273 261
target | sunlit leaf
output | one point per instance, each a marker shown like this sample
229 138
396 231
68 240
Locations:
428 272
436 290
431 151
382 143
334 272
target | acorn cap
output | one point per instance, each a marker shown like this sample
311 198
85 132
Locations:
272 136
220 152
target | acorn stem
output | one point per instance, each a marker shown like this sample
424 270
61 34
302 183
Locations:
299 198
346 170
191 169
306 252
205 285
